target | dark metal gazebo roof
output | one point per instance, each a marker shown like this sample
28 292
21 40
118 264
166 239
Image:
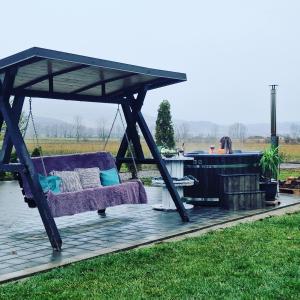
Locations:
52 74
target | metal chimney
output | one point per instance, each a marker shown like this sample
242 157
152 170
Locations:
274 137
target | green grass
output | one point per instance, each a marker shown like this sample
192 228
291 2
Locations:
251 261
285 173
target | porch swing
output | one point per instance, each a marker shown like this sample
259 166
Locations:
96 199
48 74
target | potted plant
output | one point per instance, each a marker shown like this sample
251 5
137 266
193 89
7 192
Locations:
166 152
269 163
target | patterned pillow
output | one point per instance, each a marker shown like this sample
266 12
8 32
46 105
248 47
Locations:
70 181
89 177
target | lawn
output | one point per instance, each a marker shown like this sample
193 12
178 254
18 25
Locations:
251 261
285 173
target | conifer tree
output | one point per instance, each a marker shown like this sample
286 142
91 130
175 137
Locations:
164 131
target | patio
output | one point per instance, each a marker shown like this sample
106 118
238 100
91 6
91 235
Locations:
25 249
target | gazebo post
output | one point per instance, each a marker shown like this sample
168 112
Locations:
136 110
1 118
132 131
15 135
7 145
134 115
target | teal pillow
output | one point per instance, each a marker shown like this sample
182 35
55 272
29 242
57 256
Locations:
109 177
50 183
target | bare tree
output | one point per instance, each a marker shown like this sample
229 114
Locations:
177 133
238 131
185 131
295 130
102 131
118 131
64 131
78 128
214 130
182 132
55 130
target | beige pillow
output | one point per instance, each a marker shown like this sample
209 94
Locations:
70 181
89 177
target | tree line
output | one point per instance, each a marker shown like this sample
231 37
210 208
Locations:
165 131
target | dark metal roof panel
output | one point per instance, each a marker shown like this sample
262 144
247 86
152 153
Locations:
46 73
35 52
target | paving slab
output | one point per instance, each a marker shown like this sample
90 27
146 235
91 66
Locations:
25 249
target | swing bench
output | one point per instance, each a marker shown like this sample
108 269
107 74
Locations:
91 199
49 74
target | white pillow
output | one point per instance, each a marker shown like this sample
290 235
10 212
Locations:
70 181
89 177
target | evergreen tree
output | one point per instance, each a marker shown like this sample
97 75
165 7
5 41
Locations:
164 131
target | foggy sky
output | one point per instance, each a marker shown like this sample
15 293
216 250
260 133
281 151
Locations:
230 50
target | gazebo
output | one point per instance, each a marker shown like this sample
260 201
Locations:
44 73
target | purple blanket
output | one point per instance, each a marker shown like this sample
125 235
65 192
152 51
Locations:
131 192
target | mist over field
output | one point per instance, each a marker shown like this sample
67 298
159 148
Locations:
50 127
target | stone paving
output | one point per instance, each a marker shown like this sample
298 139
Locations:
24 244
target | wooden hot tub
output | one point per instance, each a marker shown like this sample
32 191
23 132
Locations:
207 168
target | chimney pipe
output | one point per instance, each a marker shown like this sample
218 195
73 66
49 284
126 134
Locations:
274 137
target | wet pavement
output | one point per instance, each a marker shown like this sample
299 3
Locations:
24 244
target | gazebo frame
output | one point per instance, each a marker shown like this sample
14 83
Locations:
130 97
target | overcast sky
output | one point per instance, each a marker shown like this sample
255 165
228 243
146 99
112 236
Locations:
230 50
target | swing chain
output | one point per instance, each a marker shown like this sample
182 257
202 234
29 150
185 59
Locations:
30 117
118 112
111 128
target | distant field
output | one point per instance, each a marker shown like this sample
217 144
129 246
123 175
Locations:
291 152
62 146
68 146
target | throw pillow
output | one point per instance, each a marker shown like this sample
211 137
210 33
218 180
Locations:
89 177
109 177
70 181
50 183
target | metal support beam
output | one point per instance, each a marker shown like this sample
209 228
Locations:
113 99
131 123
160 163
32 176
132 131
7 145
50 74
11 60
12 167
145 161
1 117
7 85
